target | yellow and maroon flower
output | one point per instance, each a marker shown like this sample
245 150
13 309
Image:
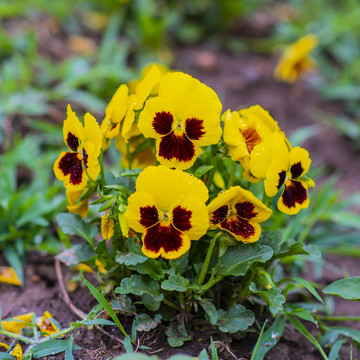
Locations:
46 325
84 143
169 208
287 170
185 116
296 59
244 130
75 206
239 212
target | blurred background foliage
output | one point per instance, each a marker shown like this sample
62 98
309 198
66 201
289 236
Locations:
56 52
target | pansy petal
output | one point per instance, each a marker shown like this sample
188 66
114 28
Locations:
192 99
191 217
261 118
9 276
130 128
68 168
92 132
73 130
145 86
18 323
299 162
177 151
243 230
169 187
248 206
17 352
118 104
223 198
142 211
275 177
294 197
157 119
90 158
166 241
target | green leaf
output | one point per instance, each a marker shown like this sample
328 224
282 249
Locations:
103 254
177 283
6 356
133 257
269 338
152 267
272 296
106 306
237 259
149 301
127 345
333 355
348 288
138 286
214 354
210 310
308 286
305 315
50 347
202 170
351 333
302 330
177 337
69 348
96 322
123 304
143 322
72 224
132 172
236 319
76 254
203 355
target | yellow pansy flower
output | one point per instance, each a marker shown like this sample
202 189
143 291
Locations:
84 143
185 116
9 276
107 227
287 171
17 352
141 156
168 207
45 324
296 59
238 212
81 208
16 326
244 130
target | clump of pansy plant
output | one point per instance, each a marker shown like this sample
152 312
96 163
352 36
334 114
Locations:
184 220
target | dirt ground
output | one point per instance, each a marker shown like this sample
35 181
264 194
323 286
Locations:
240 82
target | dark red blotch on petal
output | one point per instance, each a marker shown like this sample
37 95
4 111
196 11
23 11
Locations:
166 237
296 170
194 128
239 227
85 157
72 141
252 138
282 177
149 216
245 209
181 218
163 122
71 164
177 147
293 194
219 214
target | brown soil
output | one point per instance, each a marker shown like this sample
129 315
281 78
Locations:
240 82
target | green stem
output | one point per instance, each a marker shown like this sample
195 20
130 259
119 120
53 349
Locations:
210 284
213 163
171 304
232 174
266 199
128 155
339 318
17 337
102 175
208 258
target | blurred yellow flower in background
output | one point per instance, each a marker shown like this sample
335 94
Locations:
296 59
